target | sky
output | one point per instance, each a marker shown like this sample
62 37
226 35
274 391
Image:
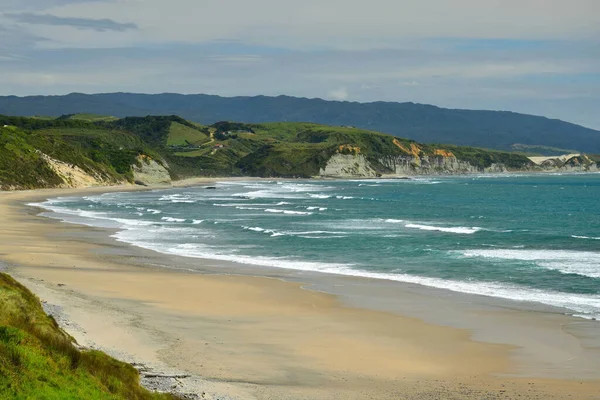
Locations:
532 56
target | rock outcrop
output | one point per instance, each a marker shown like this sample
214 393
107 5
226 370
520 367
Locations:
358 166
567 163
347 166
148 171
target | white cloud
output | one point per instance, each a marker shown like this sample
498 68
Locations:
339 94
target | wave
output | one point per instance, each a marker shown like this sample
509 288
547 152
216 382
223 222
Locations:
153 211
459 229
583 263
171 219
197 221
344 197
275 233
585 237
273 210
319 196
312 208
145 234
177 198
587 306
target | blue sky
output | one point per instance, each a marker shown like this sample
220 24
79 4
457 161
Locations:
532 56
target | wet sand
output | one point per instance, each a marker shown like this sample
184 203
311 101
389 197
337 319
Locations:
260 337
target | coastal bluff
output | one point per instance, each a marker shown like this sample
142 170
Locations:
82 151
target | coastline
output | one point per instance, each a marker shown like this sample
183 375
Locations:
266 337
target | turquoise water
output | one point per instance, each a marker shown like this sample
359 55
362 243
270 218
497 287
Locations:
525 238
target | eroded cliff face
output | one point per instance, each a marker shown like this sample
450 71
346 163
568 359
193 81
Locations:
566 163
150 172
356 165
348 166
75 177
446 164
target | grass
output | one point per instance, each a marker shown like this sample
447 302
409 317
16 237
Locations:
194 153
39 361
182 135
92 117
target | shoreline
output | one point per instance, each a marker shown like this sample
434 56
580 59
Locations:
123 279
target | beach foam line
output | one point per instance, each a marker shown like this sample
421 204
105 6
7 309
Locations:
89 218
463 230
586 306
583 263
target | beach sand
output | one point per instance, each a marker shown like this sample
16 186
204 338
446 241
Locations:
251 337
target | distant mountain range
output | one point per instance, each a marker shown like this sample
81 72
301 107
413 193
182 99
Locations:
425 123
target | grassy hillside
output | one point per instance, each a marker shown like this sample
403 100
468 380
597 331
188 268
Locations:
184 135
425 123
101 151
39 361
285 149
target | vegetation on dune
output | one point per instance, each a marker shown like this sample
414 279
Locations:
40 361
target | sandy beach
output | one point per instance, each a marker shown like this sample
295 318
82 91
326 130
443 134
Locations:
253 337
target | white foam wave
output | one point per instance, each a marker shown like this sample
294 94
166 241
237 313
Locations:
344 197
208 252
569 262
587 306
273 210
394 221
312 208
319 196
197 221
153 211
463 230
585 237
171 219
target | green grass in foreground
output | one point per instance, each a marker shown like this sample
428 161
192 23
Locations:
39 361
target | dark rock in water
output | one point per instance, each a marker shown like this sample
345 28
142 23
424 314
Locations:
211 187
140 183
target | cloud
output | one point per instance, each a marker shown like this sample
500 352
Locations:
39 4
339 94
100 25
536 56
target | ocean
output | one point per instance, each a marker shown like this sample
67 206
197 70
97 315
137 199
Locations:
517 237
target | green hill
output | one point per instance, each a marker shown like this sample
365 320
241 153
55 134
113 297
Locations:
425 123
40 361
112 150
33 150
